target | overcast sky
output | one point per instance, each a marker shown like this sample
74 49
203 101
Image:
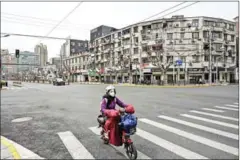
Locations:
88 16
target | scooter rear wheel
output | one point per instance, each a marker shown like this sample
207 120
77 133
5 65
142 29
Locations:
131 151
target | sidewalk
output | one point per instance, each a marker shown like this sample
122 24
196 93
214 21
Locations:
12 150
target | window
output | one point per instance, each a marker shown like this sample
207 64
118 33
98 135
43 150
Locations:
232 38
135 29
195 23
225 25
205 34
79 44
225 37
73 50
182 35
156 35
231 27
217 34
119 44
217 24
217 46
144 48
195 35
75 60
169 59
73 43
233 59
136 40
206 58
119 34
113 36
233 48
196 58
135 51
169 36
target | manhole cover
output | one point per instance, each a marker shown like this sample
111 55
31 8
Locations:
22 119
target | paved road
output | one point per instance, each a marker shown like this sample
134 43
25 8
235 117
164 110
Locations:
193 123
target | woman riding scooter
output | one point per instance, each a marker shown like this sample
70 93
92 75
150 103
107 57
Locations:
109 102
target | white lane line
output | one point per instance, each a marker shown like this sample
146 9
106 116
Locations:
75 148
215 115
196 138
97 130
214 110
211 121
185 153
229 105
236 103
227 108
204 128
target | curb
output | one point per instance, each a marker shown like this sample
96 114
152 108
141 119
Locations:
155 86
18 151
10 147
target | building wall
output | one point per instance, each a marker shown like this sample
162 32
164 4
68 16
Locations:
100 31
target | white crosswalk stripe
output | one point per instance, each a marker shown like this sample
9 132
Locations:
211 121
214 115
204 128
200 135
75 148
187 154
227 108
213 110
229 105
193 137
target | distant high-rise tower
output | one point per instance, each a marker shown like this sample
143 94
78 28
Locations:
41 50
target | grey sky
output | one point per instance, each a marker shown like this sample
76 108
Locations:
88 16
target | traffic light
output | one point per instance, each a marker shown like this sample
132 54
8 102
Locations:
17 53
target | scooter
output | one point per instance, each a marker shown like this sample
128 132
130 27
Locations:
124 136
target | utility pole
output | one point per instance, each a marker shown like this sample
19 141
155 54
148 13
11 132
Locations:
130 58
210 57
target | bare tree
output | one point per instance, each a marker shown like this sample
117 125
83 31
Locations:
160 58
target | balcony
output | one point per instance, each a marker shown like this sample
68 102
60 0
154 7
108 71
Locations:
127 35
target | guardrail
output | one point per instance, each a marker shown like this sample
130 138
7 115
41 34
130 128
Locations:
17 84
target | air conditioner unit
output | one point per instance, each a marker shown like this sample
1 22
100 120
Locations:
180 41
176 25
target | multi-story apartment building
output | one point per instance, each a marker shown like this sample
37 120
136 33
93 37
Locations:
29 59
74 54
236 19
150 50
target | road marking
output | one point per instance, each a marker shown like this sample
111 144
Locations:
185 153
236 103
214 110
204 128
97 131
227 108
75 148
215 115
211 121
196 138
23 152
229 105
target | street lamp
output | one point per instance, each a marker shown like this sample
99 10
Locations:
6 35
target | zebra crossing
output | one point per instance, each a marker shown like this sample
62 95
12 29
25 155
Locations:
206 128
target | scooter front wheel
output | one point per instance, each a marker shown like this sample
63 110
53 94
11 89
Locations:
131 151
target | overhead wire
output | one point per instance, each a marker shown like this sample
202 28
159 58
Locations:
65 17
35 18
40 24
161 12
